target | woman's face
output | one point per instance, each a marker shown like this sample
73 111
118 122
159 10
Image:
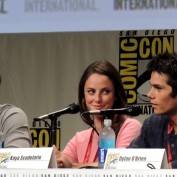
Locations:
99 92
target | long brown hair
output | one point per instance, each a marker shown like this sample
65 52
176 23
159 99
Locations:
104 68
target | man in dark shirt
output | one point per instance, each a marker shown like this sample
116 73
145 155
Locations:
160 129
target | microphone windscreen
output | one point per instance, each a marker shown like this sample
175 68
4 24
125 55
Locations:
135 111
74 108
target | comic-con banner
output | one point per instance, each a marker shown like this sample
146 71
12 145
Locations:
136 48
41 134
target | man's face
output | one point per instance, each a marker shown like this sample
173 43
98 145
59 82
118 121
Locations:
160 95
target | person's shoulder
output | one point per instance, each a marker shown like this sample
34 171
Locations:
11 112
132 121
155 118
155 121
84 133
10 108
5 107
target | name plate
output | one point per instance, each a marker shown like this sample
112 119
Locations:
136 159
28 158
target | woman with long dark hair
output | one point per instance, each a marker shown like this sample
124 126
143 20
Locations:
100 87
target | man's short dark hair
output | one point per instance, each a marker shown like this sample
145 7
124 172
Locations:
165 63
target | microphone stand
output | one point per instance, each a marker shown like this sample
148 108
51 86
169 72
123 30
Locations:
53 128
108 115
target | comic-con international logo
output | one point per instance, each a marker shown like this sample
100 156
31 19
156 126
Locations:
41 134
4 159
135 51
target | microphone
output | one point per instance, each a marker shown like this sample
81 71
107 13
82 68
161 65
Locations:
70 109
131 111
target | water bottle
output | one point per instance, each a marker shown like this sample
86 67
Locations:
106 140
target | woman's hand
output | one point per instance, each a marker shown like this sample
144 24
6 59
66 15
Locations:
62 162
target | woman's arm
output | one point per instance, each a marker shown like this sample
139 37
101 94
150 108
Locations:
85 165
